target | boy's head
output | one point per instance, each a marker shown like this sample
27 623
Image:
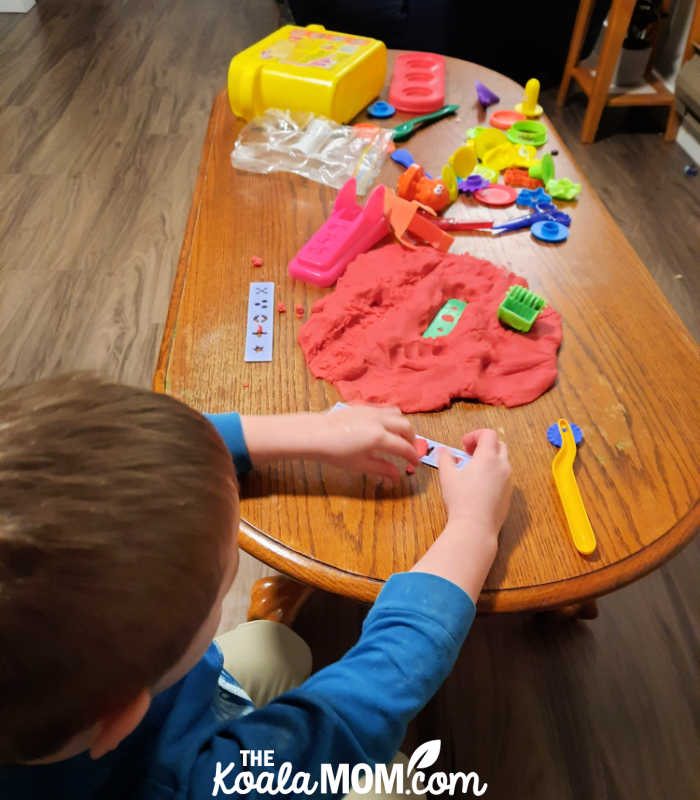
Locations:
118 514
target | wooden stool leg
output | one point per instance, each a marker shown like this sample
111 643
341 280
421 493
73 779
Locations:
618 22
583 17
672 124
277 598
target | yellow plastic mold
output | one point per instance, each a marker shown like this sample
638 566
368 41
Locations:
571 500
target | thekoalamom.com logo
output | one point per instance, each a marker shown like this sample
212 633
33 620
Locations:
342 778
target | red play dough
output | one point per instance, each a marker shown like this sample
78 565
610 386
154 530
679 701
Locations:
365 337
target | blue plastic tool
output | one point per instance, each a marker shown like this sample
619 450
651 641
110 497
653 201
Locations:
404 158
531 197
549 231
554 435
381 110
530 220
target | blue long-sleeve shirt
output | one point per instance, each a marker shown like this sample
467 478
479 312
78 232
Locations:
354 711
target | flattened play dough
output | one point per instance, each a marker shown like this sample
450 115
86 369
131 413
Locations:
365 337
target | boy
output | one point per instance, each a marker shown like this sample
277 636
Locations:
118 520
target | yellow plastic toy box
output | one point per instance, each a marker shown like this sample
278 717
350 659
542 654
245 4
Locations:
307 69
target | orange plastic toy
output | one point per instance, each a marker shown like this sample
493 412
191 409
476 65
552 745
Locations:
403 216
415 185
520 177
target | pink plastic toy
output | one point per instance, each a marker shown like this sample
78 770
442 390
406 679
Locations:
418 82
349 231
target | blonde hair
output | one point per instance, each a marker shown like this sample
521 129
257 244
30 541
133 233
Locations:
116 506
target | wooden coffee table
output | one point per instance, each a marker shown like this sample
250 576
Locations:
628 376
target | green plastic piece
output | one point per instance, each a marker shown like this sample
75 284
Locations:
527 132
408 128
472 133
486 172
563 188
445 319
520 308
544 171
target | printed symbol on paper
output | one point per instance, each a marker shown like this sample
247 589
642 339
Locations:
260 318
258 348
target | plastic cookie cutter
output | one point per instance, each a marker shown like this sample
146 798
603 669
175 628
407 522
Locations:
445 319
530 198
349 231
485 96
527 132
504 119
520 308
487 140
563 188
529 107
569 494
408 128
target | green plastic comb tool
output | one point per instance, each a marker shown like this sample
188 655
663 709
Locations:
520 308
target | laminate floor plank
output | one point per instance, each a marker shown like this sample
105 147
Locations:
103 111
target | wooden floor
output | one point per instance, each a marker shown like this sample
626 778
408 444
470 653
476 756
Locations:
103 110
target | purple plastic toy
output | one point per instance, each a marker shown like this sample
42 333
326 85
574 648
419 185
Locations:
472 184
486 96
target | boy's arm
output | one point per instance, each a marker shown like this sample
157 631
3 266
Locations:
355 710
357 438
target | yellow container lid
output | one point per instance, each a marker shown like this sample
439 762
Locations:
331 74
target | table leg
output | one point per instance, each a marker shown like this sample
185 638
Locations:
583 17
618 22
587 610
277 598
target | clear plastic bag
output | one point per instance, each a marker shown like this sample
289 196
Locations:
312 146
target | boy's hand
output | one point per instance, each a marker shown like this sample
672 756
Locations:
358 436
479 493
477 498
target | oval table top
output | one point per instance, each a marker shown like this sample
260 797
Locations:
628 376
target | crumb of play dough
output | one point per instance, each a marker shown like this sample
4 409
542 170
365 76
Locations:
421 446
299 311
246 385
256 261
410 469
281 308
366 336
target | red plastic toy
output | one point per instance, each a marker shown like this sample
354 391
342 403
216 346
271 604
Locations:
418 82
514 176
407 216
504 119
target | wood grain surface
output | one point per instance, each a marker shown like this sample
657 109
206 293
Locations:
543 711
628 377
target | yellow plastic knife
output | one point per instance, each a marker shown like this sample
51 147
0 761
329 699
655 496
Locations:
563 472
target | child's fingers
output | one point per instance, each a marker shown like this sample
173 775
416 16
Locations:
394 445
401 427
446 461
483 440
